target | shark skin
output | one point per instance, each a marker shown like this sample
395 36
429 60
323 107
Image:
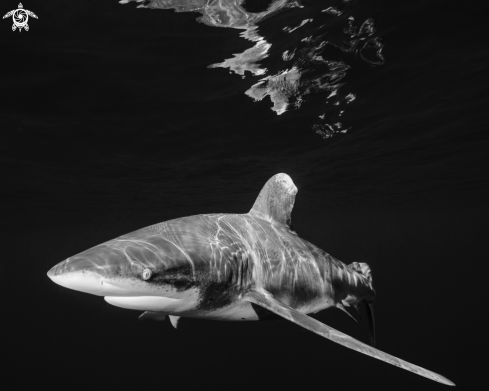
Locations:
232 267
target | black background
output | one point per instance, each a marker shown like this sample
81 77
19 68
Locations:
110 121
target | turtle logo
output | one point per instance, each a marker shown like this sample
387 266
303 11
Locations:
20 16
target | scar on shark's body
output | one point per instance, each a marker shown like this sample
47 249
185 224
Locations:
233 267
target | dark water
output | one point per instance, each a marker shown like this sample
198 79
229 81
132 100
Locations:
111 120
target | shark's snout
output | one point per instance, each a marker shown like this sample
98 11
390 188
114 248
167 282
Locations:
55 270
80 274
125 266
72 265
102 270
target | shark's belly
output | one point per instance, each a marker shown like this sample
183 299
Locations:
237 311
185 306
193 303
185 301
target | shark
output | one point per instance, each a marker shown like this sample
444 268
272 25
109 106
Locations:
230 267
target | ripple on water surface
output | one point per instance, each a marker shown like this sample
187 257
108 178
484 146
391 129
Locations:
307 55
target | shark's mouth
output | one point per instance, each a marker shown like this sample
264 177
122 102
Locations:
128 293
155 303
83 281
94 283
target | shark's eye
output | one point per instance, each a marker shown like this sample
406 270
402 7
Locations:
146 274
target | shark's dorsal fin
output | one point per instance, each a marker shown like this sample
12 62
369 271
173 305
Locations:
276 199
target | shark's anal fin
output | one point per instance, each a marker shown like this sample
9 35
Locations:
266 300
342 308
174 320
276 199
151 315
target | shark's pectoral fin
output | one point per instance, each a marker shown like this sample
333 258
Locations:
266 300
152 315
174 320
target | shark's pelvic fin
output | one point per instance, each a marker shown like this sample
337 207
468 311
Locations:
151 315
174 320
341 307
276 199
266 300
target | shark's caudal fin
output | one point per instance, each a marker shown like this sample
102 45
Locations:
276 199
265 299
364 270
371 321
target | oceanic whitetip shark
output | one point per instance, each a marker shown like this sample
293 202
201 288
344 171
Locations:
229 267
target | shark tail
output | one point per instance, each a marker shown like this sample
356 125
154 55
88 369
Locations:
364 270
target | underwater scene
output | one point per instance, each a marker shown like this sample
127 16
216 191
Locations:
120 115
